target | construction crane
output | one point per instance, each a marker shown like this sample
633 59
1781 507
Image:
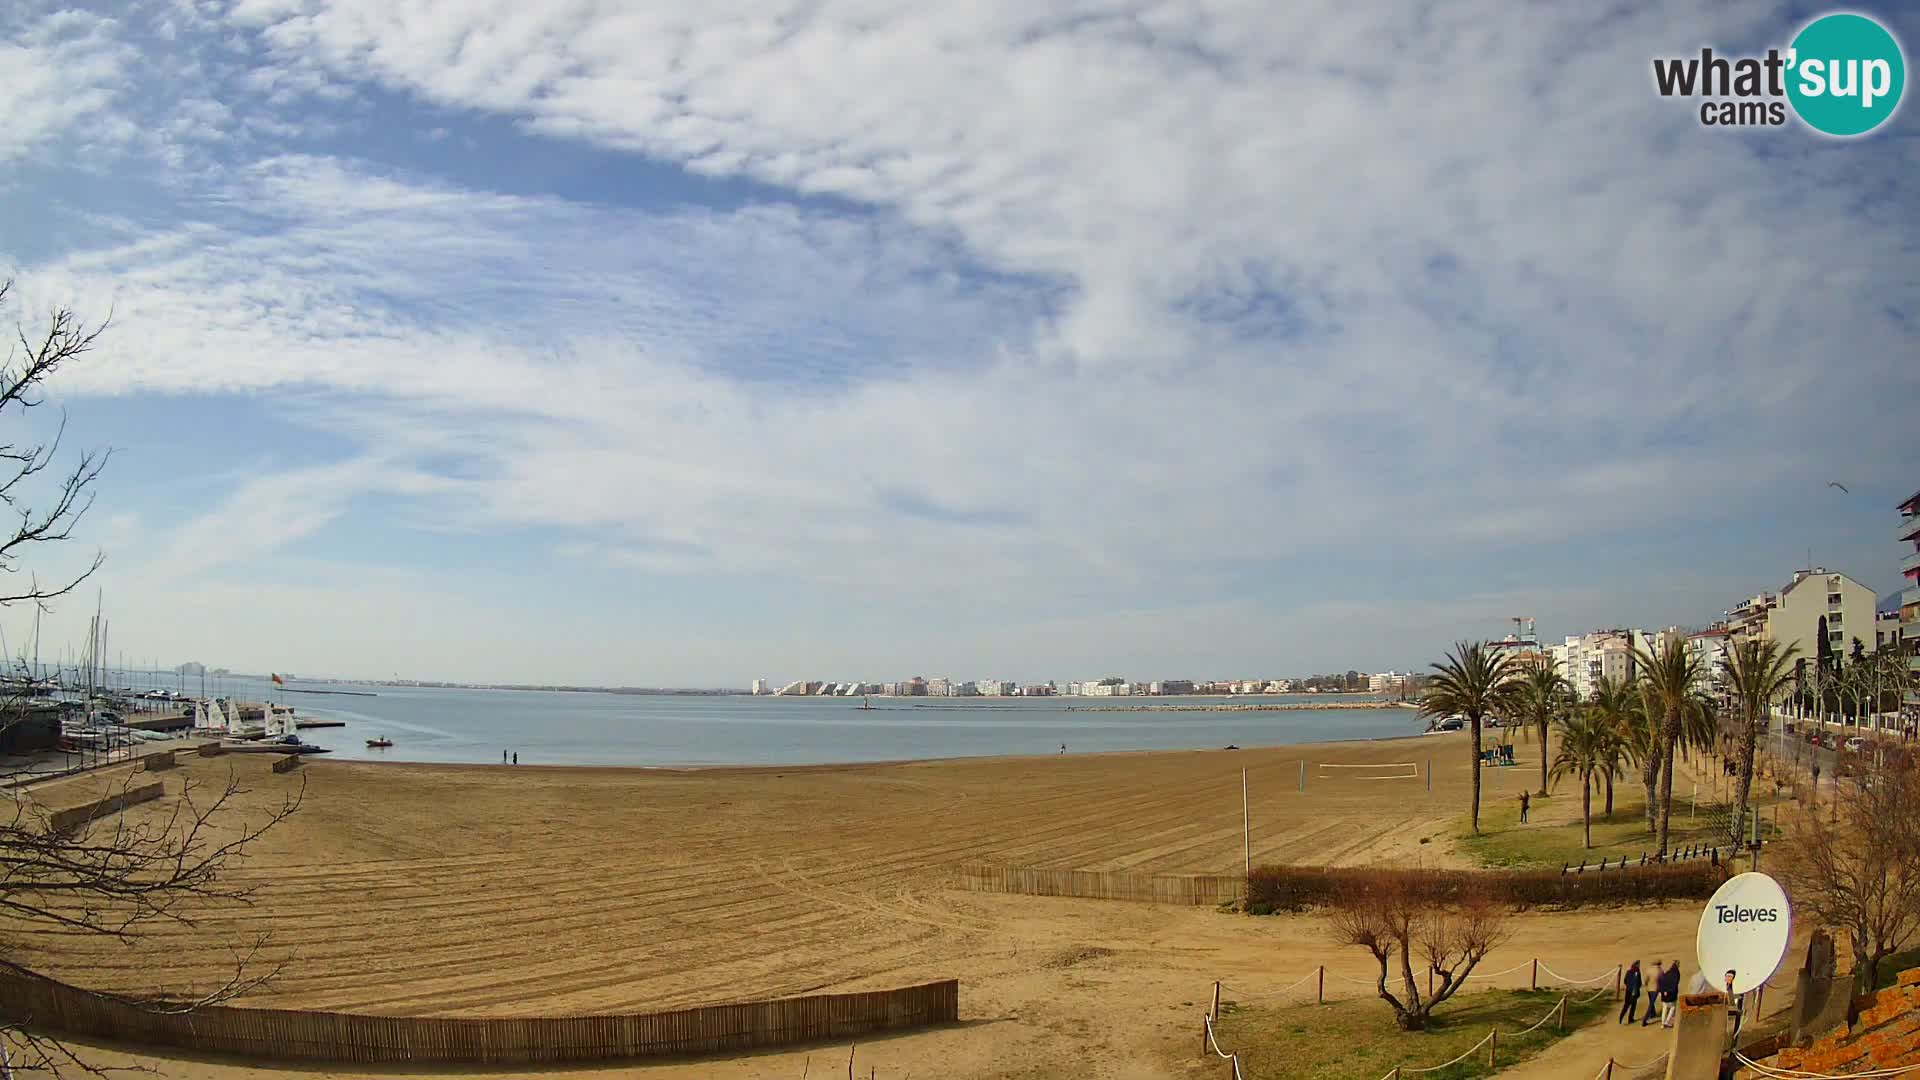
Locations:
1522 627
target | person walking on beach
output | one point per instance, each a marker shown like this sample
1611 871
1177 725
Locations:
1631 1009
503 757
1653 994
516 757
1063 748
1669 993
1526 801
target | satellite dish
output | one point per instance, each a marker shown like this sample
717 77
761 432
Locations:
1744 930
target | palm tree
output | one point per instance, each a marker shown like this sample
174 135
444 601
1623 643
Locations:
1585 751
1473 682
1617 706
1645 737
1666 682
1758 673
1540 697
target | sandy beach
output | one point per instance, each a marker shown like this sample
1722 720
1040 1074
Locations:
498 891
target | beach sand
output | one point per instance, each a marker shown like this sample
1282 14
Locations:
495 891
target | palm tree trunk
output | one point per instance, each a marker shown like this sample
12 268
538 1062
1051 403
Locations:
1650 777
1609 795
1670 738
1543 757
1476 775
1586 807
1749 737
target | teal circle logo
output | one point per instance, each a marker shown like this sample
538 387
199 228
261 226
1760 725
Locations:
1845 74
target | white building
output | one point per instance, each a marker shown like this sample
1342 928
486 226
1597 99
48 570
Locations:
1819 597
1388 682
1604 655
1709 651
759 687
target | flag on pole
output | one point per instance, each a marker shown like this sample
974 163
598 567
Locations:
277 680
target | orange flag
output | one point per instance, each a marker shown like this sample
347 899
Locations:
278 681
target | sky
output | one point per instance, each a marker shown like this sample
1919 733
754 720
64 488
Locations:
687 343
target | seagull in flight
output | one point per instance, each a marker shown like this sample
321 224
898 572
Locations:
1838 484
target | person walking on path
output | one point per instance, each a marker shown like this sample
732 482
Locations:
1526 801
1669 993
1631 1009
1653 994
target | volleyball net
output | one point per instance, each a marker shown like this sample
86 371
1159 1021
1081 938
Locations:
1378 770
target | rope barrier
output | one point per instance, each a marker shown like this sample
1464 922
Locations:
1509 971
1467 1053
1272 994
1551 1013
1637 1068
1575 982
1795 1074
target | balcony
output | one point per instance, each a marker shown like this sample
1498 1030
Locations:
1910 527
1909 597
1911 563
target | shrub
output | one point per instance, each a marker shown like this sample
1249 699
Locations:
1295 888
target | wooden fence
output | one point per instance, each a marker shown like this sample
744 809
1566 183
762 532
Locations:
1197 889
73 817
278 1034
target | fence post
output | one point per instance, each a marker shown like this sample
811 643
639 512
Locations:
1609 1075
1493 1045
1560 1024
1320 992
1203 1036
1535 984
1214 1013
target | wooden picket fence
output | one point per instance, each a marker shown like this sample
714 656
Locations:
45 1004
1193 889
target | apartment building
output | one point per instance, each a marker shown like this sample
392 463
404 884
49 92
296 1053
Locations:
1910 598
1819 600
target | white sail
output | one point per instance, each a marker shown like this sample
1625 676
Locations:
215 718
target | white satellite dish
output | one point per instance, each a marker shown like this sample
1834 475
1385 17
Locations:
1744 930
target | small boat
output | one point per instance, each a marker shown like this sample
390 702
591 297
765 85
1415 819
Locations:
380 743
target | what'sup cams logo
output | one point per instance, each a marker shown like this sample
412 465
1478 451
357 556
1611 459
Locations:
1843 75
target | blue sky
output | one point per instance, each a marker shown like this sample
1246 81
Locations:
681 344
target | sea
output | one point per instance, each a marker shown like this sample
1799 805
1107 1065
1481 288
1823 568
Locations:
549 727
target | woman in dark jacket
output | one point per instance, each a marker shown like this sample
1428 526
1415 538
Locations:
1632 1007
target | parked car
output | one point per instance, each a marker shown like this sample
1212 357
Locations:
1856 744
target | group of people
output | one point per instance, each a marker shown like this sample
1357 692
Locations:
1663 991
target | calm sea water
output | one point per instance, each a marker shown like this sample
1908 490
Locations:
555 728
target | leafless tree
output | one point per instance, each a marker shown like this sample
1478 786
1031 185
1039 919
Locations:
1858 869
115 874
1397 923
33 358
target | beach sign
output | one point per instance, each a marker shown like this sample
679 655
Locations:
1744 930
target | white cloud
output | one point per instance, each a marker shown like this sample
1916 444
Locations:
1152 297
59 73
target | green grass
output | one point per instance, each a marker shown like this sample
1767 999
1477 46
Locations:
1356 1039
1504 843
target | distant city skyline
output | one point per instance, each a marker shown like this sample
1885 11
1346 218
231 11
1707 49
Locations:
631 353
